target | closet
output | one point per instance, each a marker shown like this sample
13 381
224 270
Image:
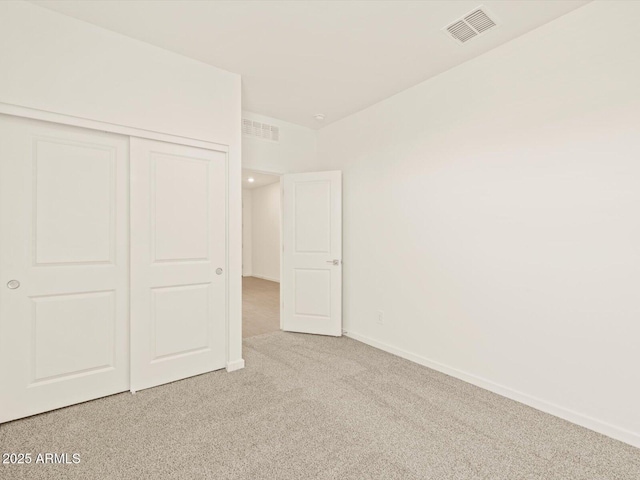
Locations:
113 259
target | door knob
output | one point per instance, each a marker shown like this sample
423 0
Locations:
334 262
218 271
13 284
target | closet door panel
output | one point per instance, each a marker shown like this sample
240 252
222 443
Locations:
64 266
178 307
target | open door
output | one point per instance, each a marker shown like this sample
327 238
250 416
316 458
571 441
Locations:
312 248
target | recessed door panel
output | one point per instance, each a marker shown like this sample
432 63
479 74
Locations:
63 266
180 208
312 217
178 262
181 320
312 289
72 334
74 188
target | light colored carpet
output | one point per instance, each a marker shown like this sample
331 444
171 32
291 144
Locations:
310 407
260 306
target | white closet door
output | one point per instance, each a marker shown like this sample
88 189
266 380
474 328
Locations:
178 262
312 266
63 266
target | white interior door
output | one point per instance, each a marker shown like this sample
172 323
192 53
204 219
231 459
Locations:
178 262
63 266
312 263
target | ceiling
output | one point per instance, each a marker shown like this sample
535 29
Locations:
300 58
259 179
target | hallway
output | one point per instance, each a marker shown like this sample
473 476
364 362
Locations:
260 306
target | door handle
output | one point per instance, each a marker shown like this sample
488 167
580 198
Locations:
13 284
334 262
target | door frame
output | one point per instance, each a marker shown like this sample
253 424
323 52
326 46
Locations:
281 246
63 119
27 112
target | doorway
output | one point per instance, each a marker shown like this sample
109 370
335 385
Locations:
292 253
261 253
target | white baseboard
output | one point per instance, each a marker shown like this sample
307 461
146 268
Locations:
247 275
235 365
572 416
264 277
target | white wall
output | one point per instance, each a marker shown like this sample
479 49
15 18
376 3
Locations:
247 231
58 64
266 232
492 214
294 153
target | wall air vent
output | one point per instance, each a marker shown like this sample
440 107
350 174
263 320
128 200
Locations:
472 25
260 130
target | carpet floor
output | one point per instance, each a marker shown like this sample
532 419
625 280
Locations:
260 306
311 407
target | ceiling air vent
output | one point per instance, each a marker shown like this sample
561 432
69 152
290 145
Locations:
472 25
260 130
461 31
479 20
